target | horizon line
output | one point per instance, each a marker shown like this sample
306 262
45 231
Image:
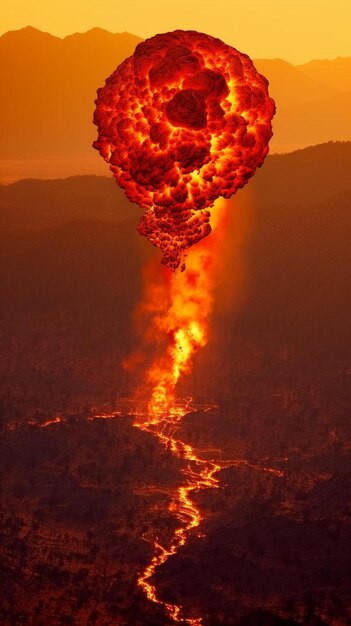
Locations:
108 176
104 30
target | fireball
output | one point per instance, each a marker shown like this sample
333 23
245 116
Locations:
184 120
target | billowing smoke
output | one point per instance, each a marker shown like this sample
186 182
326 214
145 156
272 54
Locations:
184 120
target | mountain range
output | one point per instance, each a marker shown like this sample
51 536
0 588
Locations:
48 86
296 251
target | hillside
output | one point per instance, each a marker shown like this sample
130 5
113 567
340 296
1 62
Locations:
48 87
290 87
83 495
59 78
293 180
303 177
336 73
40 203
77 270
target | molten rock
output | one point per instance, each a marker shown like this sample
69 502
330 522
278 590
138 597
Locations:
184 120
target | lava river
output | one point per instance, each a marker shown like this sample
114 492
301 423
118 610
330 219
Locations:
178 308
200 473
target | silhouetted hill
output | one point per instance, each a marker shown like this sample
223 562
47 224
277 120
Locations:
75 241
293 180
312 107
299 272
289 86
81 494
40 203
336 73
70 279
82 263
305 176
59 78
317 122
49 131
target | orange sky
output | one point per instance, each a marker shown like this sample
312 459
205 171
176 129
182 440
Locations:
296 30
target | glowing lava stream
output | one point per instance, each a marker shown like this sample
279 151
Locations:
180 309
203 476
200 474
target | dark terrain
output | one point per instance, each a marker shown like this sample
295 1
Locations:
80 497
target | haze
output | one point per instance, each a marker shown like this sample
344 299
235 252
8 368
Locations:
296 30
86 497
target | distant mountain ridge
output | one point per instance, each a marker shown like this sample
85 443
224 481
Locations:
77 238
333 72
35 203
291 180
48 86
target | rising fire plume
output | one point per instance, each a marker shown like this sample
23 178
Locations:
189 296
184 318
188 299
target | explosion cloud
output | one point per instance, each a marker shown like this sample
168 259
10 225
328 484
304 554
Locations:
184 120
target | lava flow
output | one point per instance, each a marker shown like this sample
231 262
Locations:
187 303
199 474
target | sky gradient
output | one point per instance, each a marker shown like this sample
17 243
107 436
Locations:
296 30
